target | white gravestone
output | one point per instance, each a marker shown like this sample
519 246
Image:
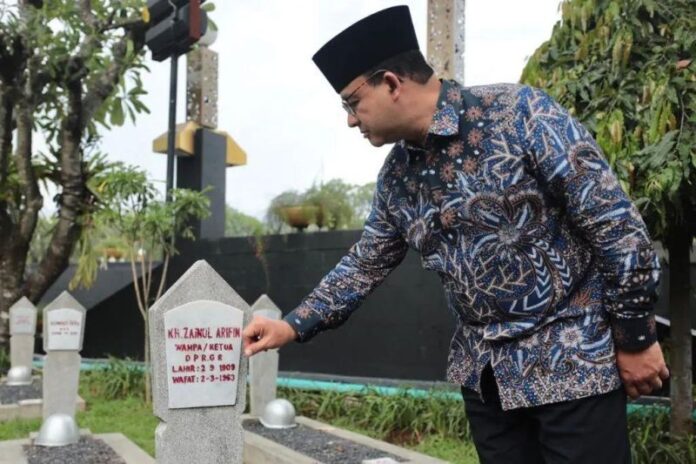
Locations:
22 330
198 373
203 350
64 328
263 367
23 317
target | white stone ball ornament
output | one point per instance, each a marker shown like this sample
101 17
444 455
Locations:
19 375
278 414
58 430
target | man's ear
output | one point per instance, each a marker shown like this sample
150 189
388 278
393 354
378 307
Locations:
395 84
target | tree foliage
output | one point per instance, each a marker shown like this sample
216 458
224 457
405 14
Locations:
340 205
627 70
134 209
238 224
333 200
67 71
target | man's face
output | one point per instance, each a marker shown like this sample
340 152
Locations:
369 106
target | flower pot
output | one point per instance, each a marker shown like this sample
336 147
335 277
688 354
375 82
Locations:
299 217
114 253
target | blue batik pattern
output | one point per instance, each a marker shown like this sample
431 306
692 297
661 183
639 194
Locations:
544 260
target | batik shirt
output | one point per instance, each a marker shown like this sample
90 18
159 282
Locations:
544 260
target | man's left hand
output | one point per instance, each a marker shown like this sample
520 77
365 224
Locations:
642 372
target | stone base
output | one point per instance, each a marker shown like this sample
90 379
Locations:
29 409
11 452
260 450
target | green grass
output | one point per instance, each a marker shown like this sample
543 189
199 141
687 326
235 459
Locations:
129 416
433 425
449 449
17 429
114 404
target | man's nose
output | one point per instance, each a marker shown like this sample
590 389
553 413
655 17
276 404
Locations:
352 120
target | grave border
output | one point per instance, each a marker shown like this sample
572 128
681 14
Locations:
268 451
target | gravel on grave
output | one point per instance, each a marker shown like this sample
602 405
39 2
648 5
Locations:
86 451
322 446
11 394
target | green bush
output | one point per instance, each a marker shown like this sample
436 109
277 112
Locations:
434 424
651 443
406 419
120 379
402 418
4 361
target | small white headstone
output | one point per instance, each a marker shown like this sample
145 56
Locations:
23 318
64 329
204 342
263 367
22 330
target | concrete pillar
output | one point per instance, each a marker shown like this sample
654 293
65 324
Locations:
446 26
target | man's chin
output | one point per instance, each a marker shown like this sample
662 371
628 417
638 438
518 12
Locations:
375 141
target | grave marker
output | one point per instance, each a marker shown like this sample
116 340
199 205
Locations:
198 373
63 328
22 331
63 331
263 367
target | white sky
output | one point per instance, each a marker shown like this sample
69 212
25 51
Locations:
280 109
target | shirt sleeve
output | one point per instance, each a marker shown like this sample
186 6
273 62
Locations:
380 249
571 165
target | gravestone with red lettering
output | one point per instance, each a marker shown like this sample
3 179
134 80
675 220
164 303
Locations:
22 331
263 367
63 332
198 372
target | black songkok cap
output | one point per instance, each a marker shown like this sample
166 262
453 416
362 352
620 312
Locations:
365 44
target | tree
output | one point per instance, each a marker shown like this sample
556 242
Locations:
334 204
67 69
148 225
333 200
626 68
361 202
274 215
238 224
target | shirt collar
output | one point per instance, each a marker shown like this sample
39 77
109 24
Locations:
445 122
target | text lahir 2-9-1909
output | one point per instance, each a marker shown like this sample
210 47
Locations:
203 361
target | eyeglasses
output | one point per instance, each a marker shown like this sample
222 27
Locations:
350 107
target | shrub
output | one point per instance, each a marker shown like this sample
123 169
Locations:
120 379
651 441
4 362
407 419
402 418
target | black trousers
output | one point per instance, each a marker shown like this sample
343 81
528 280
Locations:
590 430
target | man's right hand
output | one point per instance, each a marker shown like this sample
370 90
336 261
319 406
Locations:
266 334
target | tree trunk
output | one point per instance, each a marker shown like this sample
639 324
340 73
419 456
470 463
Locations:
8 296
679 246
148 377
11 270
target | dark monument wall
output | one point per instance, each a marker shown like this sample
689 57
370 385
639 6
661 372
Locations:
401 331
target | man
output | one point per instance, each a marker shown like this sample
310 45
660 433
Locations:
544 260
